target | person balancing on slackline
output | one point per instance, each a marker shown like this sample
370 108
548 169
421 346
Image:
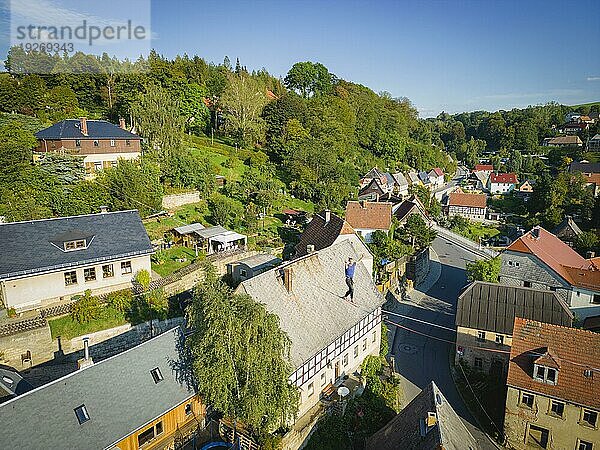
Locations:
350 268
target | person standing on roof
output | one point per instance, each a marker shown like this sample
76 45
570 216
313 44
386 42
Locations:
350 268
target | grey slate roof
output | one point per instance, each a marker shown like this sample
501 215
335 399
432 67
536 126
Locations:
97 129
12 383
35 246
493 307
401 179
313 314
260 260
404 430
119 394
584 167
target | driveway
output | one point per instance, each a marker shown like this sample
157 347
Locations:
419 358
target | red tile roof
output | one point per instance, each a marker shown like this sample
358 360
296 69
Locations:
439 172
561 258
484 167
369 215
571 350
464 199
503 178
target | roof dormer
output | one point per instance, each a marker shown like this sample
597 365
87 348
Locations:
545 368
72 241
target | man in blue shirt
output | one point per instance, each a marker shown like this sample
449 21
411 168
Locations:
350 267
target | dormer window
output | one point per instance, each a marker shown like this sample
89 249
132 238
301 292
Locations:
545 374
74 245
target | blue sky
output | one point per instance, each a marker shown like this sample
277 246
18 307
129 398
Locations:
453 56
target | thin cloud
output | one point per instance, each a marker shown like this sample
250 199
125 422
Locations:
593 78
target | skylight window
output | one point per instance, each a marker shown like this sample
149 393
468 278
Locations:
156 375
82 414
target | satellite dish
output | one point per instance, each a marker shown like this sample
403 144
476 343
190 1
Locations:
343 391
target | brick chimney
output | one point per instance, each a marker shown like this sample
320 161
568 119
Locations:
287 278
83 125
122 123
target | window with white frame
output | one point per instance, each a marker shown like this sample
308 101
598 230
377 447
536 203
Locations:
345 360
481 336
356 351
125 267
323 379
89 274
527 399
107 271
112 142
545 374
70 278
311 389
499 339
584 445
364 345
589 418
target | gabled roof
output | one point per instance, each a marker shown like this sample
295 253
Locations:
97 129
576 351
584 167
484 167
493 307
313 314
564 140
369 215
374 187
567 229
401 179
503 178
119 394
31 247
411 204
561 258
404 431
413 177
595 138
424 177
469 200
437 171
373 173
321 233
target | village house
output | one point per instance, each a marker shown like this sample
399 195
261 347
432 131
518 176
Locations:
567 231
486 168
563 141
485 314
330 337
326 229
372 191
573 128
367 217
413 178
428 422
401 184
376 184
540 260
594 143
525 190
141 398
436 177
479 180
502 183
552 399
101 143
469 206
412 205
374 174
424 178
253 265
51 260
590 173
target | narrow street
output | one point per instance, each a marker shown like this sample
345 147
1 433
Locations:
419 358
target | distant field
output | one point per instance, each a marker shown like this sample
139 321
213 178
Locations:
586 104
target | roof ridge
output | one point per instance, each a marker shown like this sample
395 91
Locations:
569 329
90 367
70 217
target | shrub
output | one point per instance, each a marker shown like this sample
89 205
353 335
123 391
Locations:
120 300
86 309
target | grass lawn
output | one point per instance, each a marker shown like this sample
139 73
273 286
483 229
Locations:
67 328
170 257
191 213
230 167
480 231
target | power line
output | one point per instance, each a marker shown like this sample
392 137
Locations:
419 320
532 353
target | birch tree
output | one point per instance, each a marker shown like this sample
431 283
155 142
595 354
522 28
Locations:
241 357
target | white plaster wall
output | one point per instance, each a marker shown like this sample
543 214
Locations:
35 291
308 401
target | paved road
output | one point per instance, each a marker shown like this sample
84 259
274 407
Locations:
420 359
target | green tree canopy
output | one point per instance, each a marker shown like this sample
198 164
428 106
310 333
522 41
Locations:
241 357
484 270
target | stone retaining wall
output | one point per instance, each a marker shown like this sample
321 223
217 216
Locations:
175 200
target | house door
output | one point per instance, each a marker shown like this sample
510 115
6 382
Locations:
337 370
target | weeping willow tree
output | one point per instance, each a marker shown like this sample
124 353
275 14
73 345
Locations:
241 357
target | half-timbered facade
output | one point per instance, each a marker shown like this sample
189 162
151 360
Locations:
470 206
330 336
